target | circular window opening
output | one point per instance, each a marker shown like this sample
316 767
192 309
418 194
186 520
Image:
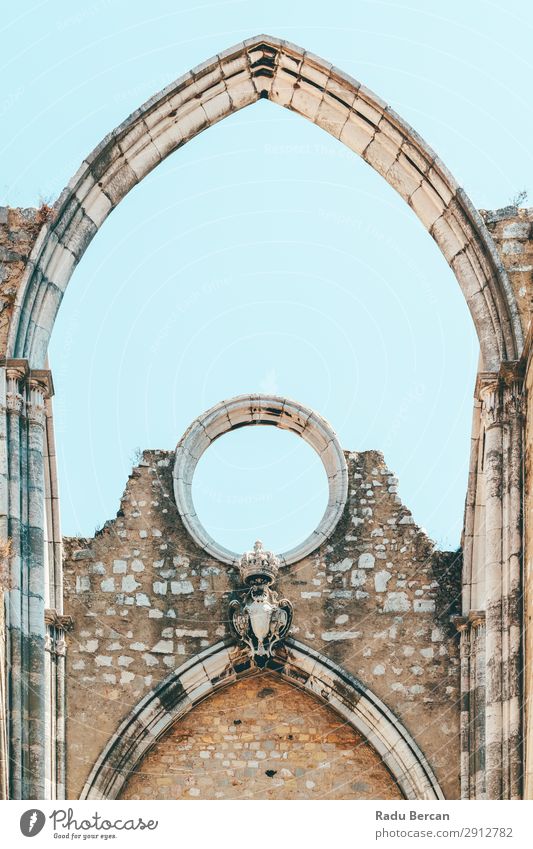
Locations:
260 483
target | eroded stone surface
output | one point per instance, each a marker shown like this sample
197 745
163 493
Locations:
379 632
19 229
512 231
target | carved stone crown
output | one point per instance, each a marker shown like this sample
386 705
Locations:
259 566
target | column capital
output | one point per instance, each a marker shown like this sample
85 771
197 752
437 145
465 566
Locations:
17 369
471 620
26 388
16 374
485 381
58 620
491 397
38 387
41 379
57 626
510 374
512 371
501 393
476 618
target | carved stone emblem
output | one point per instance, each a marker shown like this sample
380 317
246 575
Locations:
260 620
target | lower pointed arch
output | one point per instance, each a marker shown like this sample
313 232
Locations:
224 664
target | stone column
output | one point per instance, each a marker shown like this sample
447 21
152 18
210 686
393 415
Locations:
512 661
478 697
472 721
24 429
16 372
4 780
38 388
501 398
54 543
57 627
493 471
4 585
469 530
464 721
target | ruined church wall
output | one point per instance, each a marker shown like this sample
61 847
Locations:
512 231
375 598
528 573
19 229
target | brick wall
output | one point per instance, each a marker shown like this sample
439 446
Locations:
261 739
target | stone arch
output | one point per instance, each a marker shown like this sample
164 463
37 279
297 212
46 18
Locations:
223 664
266 67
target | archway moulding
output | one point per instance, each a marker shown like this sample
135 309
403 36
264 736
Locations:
223 664
266 67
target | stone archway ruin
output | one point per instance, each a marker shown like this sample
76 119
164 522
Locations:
265 67
268 68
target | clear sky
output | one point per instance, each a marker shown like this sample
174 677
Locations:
264 256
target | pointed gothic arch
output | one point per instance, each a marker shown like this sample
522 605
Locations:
260 68
266 67
221 665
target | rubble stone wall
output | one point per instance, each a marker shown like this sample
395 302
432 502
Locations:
512 231
19 229
376 599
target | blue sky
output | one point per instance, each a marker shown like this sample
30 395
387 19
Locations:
264 256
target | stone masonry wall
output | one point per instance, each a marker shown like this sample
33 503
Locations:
512 230
261 739
19 229
376 599
528 578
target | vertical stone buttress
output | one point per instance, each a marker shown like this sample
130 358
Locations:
512 663
57 627
4 745
465 708
3 703
34 584
477 689
501 400
16 373
23 510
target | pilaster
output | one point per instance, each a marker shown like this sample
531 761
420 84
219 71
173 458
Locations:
26 392
501 398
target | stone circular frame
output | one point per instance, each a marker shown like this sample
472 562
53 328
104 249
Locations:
260 410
